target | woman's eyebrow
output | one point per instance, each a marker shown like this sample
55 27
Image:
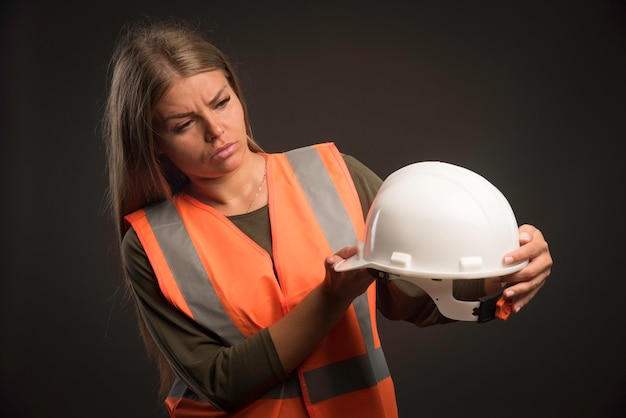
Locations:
212 102
176 116
217 96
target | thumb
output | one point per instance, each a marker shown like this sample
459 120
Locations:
347 252
332 259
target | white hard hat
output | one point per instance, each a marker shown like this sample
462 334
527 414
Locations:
432 221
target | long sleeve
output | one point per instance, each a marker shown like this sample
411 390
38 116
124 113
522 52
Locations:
229 377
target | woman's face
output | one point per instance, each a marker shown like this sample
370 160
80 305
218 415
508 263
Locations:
200 126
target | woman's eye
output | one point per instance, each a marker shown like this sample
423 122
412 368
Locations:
222 103
181 127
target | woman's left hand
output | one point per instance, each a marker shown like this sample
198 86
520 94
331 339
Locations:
526 283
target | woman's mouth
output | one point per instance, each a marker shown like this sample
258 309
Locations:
224 151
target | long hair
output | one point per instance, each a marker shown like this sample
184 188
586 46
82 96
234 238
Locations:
148 56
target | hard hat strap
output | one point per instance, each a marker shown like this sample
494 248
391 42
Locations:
482 310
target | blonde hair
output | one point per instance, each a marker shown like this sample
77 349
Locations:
148 56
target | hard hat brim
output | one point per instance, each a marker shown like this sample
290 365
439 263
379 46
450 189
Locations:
356 263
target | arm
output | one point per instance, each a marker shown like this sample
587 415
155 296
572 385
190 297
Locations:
230 377
298 333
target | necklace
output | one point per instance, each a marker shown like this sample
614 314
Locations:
258 190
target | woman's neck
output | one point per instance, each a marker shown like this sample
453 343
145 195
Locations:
236 193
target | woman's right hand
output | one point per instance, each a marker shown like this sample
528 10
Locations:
346 285
297 334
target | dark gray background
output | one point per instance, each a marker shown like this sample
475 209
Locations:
529 94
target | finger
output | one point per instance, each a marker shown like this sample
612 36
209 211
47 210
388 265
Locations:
331 260
534 247
522 298
526 233
523 291
347 252
534 273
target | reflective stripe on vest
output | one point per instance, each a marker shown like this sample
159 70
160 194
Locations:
205 306
323 197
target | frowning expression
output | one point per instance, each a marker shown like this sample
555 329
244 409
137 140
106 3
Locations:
200 126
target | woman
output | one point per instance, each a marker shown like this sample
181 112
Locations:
226 255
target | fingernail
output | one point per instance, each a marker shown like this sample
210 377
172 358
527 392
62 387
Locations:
509 293
508 260
524 236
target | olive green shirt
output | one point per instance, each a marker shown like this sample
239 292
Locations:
231 377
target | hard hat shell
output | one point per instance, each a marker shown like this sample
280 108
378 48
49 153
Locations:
434 220
438 220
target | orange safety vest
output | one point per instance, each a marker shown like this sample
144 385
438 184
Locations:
214 273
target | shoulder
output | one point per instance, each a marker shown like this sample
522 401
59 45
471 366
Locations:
134 256
360 170
365 181
131 246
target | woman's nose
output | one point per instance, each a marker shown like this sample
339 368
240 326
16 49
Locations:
214 130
